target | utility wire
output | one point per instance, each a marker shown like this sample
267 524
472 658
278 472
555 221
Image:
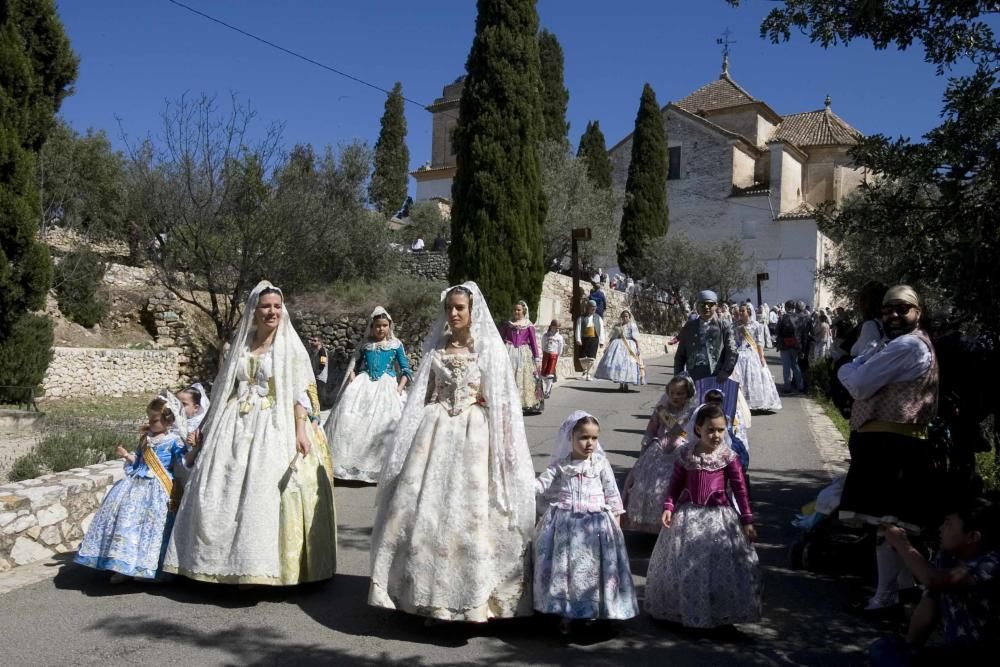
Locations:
294 54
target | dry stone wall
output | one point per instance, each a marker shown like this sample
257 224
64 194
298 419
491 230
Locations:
49 515
88 372
428 265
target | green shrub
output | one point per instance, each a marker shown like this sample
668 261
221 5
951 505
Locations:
28 466
820 375
988 468
74 447
24 356
77 281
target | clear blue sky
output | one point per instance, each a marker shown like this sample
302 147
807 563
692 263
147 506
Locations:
135 54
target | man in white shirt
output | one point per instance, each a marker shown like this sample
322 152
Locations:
895 389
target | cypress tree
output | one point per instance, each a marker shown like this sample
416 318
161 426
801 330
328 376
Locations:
555 97
37 68
645 212
390 178
498 205
594 153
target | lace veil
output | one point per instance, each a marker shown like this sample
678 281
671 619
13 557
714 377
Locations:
564 440
511 472
292 373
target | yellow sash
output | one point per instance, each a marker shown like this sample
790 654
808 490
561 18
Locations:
635 356
174 491
753 343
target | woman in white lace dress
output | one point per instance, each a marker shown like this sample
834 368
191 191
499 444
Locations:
756 381
456 501
622 363
258 507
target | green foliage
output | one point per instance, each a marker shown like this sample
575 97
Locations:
37 68
77 282
28 466
988 467
387 190
949 31
24 356
74 447
574 201
926 212
644 215
427 221
594 152
681 267
555 96
497 191
82 183
224 211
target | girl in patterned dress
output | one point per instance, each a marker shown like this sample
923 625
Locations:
704 572
128 535
581 566
647 482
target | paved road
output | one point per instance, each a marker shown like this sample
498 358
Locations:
77 618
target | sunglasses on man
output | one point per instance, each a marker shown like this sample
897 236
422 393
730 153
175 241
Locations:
897 308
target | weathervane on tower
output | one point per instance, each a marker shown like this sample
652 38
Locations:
725 42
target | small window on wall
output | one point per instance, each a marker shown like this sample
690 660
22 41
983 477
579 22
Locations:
674 168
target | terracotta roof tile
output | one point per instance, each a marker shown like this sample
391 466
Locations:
816 128
720 94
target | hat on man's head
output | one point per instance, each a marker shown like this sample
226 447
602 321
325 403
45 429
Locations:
903 293
707 295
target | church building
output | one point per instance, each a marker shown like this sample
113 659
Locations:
739 169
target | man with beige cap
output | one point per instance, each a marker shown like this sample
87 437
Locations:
895 390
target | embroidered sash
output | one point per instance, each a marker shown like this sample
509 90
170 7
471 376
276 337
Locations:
635 356
174 491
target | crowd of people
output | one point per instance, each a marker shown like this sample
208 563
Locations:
242 492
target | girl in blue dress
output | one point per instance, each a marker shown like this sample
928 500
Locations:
581 566
129 533
370 404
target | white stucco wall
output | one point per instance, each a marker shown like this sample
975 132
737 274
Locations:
440 187
701 208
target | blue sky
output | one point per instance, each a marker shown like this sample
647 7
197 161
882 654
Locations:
135 54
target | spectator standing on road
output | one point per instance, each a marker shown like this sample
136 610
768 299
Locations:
895 391
790 346
705 346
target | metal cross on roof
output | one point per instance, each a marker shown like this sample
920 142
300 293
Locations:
724 41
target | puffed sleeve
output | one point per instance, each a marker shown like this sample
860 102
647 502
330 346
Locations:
543 485
611 494
536 354
678 480
738 483
404 363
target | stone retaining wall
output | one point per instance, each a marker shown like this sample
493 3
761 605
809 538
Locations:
49 515
87 372
430 265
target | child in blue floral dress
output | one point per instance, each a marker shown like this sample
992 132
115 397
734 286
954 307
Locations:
129 533
581 566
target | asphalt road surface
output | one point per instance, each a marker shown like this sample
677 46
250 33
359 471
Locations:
76 617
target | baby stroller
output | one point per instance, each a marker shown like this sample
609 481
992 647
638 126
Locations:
826 544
